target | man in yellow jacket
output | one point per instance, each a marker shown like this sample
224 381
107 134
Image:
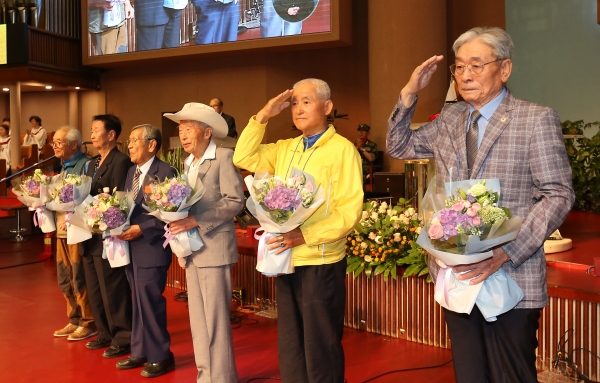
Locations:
311 300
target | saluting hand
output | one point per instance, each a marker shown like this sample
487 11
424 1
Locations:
274 107
419 79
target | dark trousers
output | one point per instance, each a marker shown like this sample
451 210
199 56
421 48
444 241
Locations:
149 338
110 299
494 352
217 22
310 323
160 36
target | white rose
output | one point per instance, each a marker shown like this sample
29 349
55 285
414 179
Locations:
102 226
406 221
396 225
389 212
106 190
374 215
415 216
394 212
372 236
384 205
368 258
382 209
477 190
365 215
364 245
402 216
394 218
397 237
418 230
378 240
410 211
91 222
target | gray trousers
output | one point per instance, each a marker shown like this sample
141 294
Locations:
209 301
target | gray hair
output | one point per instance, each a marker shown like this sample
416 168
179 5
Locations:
71 134
321 87
151 132
496 38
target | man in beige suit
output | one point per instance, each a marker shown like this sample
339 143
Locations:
208 270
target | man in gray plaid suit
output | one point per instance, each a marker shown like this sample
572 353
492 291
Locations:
521 144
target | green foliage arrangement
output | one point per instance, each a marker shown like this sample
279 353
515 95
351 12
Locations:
174 158
584 157
385 239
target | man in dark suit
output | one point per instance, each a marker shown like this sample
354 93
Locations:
208 270
217 105
150 261
217 20
108 290
158 23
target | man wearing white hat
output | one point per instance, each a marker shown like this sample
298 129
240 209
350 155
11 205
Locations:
208 270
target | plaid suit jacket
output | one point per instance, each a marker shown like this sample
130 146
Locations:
523 147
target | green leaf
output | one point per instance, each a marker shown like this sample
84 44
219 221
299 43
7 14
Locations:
353 266
394 271
379 269
358 271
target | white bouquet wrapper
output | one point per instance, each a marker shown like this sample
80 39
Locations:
114 249
80 193
497 294
182 244
268 263
77 228
42 217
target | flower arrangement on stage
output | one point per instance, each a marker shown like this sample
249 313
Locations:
32 186
63 190
384 239
107 211
167 195
280 199
474 212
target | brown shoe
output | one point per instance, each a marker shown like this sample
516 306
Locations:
82 333
66 331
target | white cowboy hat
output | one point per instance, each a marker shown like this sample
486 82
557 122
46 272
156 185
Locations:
200 112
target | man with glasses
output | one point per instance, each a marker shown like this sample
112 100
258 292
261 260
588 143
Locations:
71 278
217 105
150 261
108 291
492 134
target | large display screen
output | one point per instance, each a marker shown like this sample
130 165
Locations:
120 30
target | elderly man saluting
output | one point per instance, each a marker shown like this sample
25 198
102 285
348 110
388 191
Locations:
208 270
147 271
492 134
311 300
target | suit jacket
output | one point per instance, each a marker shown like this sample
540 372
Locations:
150 13
223 200
230 124
111 174
147 249
523 147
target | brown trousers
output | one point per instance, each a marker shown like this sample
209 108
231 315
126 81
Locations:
71 280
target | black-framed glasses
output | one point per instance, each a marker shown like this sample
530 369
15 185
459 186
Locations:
56 144
135 140
458 70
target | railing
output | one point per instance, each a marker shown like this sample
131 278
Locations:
54 50
62 17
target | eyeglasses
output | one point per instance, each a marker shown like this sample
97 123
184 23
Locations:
56 144
135 140
458 70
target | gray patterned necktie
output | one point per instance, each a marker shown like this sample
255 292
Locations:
136 183
472 137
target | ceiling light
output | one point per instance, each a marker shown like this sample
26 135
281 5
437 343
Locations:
5 89
77 88
48 87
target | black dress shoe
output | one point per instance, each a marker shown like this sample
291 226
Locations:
131 362
114 351
98 343
157 369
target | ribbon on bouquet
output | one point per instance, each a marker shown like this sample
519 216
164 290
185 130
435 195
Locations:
262 242
442 283
267 262
68 217
38 216
168 235
111 244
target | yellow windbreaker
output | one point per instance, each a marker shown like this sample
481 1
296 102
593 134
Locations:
336 166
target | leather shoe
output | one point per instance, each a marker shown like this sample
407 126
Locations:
114 351
158 368
98 343
131 362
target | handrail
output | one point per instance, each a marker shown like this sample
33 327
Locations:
26 169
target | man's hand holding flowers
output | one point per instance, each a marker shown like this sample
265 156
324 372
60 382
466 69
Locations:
480 271
130 234
289 240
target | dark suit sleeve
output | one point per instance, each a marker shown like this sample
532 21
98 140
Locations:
154 228
119 172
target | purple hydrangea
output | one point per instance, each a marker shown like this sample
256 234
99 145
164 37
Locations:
283 198
66 193
470 198
33 187
178 193
114 217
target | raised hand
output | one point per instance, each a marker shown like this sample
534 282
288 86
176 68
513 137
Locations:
274 107
419 79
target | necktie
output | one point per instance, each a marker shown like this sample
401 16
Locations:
136 183
96 166
472 136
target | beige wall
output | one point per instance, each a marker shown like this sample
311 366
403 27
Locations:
51 107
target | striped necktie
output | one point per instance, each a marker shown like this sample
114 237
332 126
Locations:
136 183
472 138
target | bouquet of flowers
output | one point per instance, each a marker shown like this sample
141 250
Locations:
460 227
170 200
66 193
384 239
33 192
280 206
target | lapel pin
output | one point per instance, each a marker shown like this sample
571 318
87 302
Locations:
503 119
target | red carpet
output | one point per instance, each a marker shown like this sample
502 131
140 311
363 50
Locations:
32 307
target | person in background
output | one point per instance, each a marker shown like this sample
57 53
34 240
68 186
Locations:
208 270
366 148
158 23
311 300
492 134
6 121
150 261
216 20
5 147
36 135
108 290
71 277
106 24
217 105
